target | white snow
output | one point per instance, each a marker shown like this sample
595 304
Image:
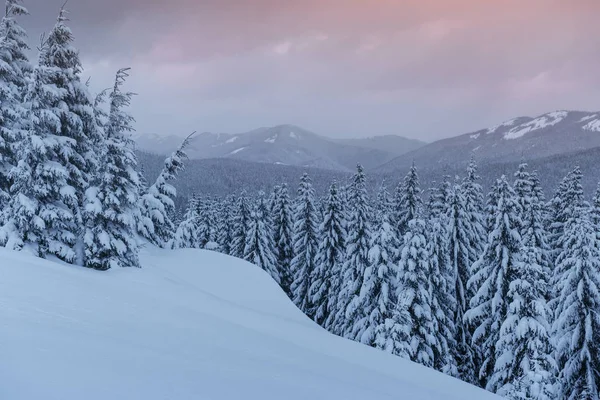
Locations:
231 140
237 150
272 139
544 121
475 136
505 123
593 126
476 148
190 324
293 135
588 117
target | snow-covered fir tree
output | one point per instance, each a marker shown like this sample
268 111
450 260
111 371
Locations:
473 194
260 249
595 209
241 224
409 203
413 276
226 219
349 310
112 199
305 245
157 203
186 235
14 70
576 328
282 235
495 269
460 242
327 275
378 294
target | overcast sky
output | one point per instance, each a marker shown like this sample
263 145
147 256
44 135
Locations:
424 69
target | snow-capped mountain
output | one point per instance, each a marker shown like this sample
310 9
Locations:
285 145
527 138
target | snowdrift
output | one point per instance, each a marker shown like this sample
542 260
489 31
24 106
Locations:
190 325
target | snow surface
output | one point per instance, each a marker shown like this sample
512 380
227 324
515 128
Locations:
505 123
544 121
231 140
190 324
237 150
593 126
475 136
272 139
293 135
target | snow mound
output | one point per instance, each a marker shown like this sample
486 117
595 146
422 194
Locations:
544 121
190 325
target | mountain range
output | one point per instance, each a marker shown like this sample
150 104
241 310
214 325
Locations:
286 145
527 138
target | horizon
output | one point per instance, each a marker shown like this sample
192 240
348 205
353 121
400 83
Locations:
425 70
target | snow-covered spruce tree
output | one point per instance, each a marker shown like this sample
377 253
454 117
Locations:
305 245
157 203
474 199
259 248
496 268
576 328
203 223
349 310
413 276
14 70
225 231
186 235
460 237
327 275
76 112
442 288
43 206
408 201
111 201
282 235
379 290
595 209
240 226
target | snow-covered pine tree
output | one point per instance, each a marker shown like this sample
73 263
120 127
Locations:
525 367
378 294
408 200
460 236
595 209
225 232
112 199
157 203
473 194
260 249
186 235
240 226
305 245
442 286
14 70
576 328
42 210
327 275
413 277
495 269
282 235
78 121
349 310
203 227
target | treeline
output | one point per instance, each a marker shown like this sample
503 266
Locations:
69 187
502 293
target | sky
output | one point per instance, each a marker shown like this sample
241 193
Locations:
424 69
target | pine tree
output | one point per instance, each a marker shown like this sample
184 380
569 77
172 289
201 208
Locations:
157 203
43 209
226 225
282 235
496 268
577 324
241 224
379 290
413 275
473 194
326 279
259 248
14 70
186 235
349 310
408 200
595 209
305 244
203 227
111 202
460 237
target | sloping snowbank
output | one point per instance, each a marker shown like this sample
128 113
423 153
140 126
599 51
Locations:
190 325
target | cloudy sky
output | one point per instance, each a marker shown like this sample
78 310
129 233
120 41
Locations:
424 69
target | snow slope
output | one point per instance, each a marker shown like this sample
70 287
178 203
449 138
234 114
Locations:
190 325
